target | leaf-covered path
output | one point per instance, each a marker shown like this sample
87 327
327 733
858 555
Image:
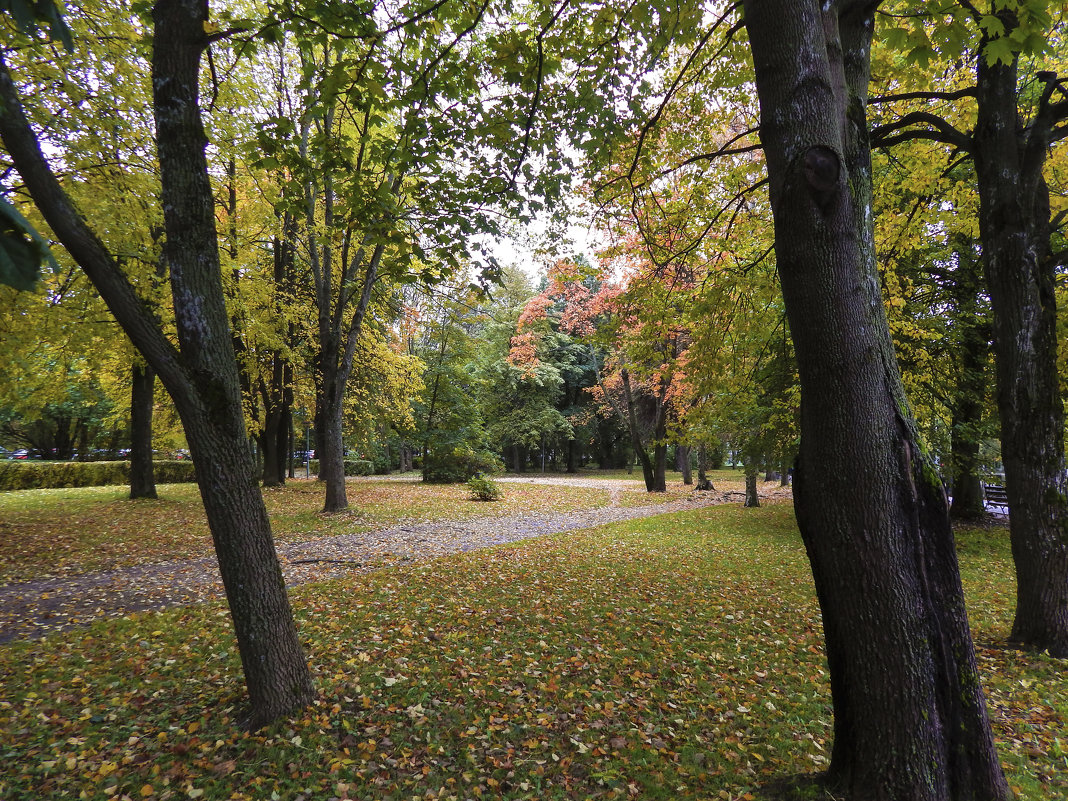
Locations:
39 607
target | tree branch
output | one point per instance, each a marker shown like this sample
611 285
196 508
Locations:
940 131
958 95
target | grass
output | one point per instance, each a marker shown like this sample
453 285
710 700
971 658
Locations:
672 657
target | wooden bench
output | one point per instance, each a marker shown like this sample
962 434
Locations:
995 496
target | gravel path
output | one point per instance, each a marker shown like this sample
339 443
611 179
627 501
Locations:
35 608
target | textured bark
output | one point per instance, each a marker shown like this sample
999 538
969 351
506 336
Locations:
1014 224
277 676
201 377
909 714
142 475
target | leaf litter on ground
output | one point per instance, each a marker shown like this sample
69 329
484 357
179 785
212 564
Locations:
670 657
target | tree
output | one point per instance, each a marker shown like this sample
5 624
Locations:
1016 120
201 372
909 713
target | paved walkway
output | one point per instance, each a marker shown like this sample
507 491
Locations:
35 608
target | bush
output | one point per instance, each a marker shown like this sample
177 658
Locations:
359 467
459 465
483 489
19 475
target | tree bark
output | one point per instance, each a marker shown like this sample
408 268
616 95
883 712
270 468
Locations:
683 455
909 713
703 482
752 499
1014 224
277 675
202 376
142 398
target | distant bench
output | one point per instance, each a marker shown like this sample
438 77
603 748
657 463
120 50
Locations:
995 495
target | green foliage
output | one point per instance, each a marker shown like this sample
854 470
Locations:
483 488
25 475
39 14
459 465
22 250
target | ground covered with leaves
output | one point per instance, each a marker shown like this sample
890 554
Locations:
671 657
63 531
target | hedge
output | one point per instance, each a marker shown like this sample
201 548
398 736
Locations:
23 475
353 467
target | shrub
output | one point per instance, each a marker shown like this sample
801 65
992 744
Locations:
483 488
382 465
19 475
359 467
459 465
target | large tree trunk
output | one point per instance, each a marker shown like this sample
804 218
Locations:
202 376
1014 224
329 433
277 675
909 714
142 398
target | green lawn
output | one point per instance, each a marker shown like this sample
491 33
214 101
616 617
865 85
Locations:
673 657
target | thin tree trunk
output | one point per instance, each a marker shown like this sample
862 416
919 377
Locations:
142 398
640 452
683 456
703 482
1014 224
910 719
752 499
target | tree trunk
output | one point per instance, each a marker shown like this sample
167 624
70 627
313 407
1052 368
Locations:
635 438
909 713
329 447
277 675
703 482
752 499
1014 224
142 398
683 456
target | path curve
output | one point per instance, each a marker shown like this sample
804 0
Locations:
36 608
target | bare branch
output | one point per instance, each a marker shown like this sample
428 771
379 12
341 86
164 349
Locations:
939 131
958 95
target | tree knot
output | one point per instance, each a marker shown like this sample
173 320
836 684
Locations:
822 168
